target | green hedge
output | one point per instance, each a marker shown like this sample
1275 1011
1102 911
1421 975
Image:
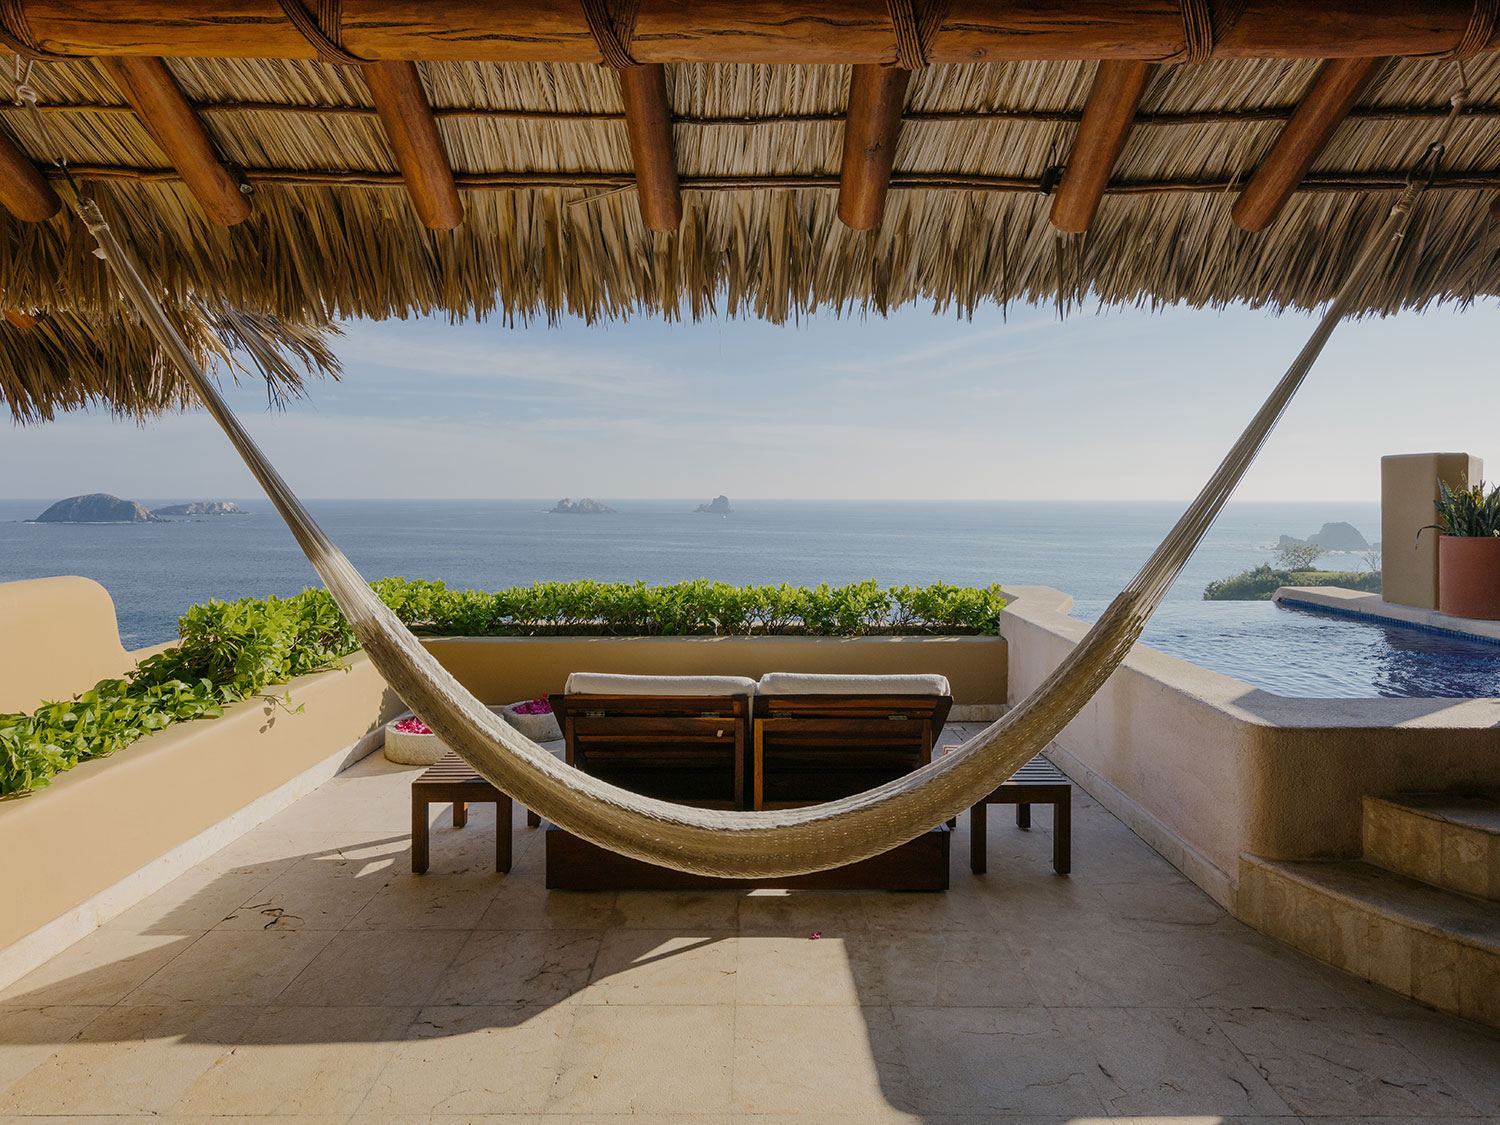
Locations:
1259 584
234 650
692 608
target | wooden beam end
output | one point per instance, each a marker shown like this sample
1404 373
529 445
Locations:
872 126
1107 118
1338 85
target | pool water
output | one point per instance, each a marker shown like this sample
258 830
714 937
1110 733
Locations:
1297 651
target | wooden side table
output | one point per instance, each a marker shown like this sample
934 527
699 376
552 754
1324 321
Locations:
453 779
1038 782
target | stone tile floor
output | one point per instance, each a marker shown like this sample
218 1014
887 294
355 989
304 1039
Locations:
303 971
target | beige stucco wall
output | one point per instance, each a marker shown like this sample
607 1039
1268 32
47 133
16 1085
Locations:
58 637
99 822
503 669
1213 768
1408 487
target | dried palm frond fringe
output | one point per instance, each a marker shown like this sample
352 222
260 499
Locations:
314 254
64 361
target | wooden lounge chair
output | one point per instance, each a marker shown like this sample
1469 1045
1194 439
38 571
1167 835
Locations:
680 738
818 737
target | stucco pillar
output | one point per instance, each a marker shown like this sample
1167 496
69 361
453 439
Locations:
1408 488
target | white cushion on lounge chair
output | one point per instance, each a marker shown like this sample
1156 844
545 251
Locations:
607 683
810 683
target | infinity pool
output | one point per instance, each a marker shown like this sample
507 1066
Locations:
1303 652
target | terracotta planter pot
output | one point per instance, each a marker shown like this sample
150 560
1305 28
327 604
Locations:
1469 577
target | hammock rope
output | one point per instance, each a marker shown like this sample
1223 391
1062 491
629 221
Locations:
775 843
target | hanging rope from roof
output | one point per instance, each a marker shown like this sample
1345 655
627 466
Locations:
778 843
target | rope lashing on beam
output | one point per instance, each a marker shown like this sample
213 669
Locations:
917 24
323 28
1479 30
16 35
612 31
1197 31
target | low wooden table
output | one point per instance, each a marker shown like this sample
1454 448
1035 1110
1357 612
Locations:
453 779
1038 782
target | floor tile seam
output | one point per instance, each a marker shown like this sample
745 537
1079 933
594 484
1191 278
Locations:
550 1097
152 975
1421 1066
271 1000
406 1037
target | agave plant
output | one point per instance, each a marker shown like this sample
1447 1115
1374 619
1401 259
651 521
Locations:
1470 512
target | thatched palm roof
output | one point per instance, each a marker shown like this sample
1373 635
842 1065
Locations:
552 225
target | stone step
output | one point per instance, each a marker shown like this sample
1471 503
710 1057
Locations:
1436 946
1451 842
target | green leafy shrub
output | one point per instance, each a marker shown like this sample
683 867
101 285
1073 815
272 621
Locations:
699 607
1469 512
1258 584
229 651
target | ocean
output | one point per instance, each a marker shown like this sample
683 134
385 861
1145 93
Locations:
1090 550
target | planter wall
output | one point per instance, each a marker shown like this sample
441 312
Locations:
1469 577
101 821
497 669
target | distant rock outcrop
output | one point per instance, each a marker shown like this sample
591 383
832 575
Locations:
1334 537
201 508
719 506
584 507
96 507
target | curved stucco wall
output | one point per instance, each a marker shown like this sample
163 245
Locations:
1213 768
58 637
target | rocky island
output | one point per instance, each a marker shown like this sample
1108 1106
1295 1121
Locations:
584 507
718 506
96 507
202 508
1334 537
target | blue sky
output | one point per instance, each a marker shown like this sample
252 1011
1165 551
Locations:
1114 405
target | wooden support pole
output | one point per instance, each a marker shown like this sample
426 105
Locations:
1337 87
769 31
396 88
23 190
648 121
167 116
1101 135
877 95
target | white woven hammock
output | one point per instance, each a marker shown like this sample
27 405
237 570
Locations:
772 844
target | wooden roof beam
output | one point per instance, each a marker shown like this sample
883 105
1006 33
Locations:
877 95
164 111
1107 117
401 102
23 190
770 31
648 121
1339 84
